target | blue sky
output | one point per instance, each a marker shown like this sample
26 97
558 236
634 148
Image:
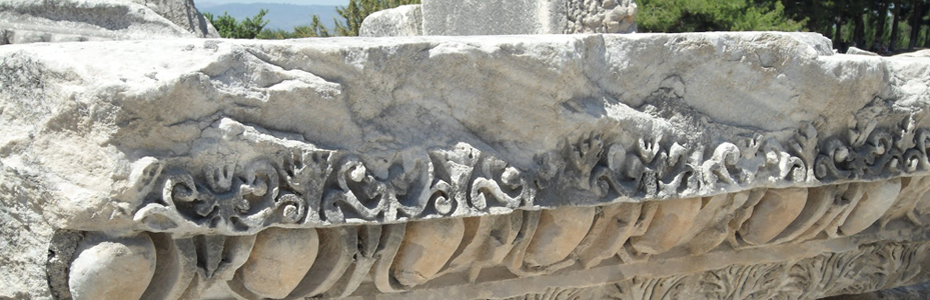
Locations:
302 2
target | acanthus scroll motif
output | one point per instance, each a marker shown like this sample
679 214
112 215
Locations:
299 186
248 201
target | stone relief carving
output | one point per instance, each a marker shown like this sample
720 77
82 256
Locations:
867 268
600 16
396 225
311 187
215 219
335 262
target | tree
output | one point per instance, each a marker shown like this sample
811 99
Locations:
353 14
895 27
714 15
881 18
918 11
870 24
228 27
927 36
315 29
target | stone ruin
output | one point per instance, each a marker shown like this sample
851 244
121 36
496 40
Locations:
755 165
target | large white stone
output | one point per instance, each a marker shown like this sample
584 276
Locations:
404 20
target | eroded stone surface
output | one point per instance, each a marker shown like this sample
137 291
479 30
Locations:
404 20
775 211
27 21
426 249
558 233
112 268
875 201
280 258
673 219
444 17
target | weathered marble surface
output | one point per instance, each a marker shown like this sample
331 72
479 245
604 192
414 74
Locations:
31 21
487 17
404 20
497 17
574 154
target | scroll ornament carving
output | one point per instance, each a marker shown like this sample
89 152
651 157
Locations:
335 262
224 200
484 197
315 187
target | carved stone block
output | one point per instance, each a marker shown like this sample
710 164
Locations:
503 17
523 167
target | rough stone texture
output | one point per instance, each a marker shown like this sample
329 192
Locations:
404 20
474 17
637 159
28 21
24 237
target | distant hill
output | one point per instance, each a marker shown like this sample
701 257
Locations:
280 16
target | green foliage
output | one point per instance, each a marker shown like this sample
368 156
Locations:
357 10
713 15
877 25
316 29
228 27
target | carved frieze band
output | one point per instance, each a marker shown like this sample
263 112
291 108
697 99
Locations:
869 268
334 262
382 260
300 187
